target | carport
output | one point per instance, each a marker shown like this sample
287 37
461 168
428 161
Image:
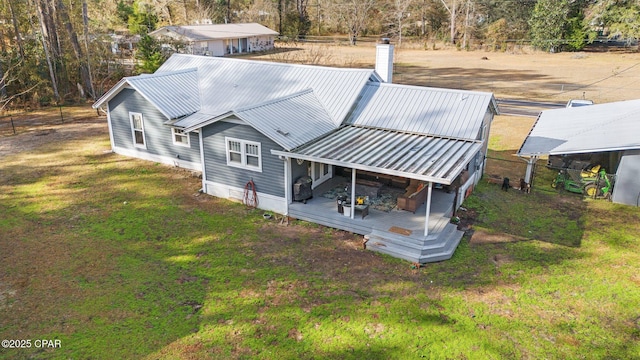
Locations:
610 130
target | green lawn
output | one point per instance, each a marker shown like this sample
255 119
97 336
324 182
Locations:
119 258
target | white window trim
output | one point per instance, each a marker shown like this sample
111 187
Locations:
133 130
243 150
173 138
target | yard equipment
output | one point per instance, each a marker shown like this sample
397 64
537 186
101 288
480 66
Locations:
592 181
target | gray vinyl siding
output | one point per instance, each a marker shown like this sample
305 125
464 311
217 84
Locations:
269 181
157 136
298 170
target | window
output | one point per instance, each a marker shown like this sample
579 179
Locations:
137 130
244 154
180 137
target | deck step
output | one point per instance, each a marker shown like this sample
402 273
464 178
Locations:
431 250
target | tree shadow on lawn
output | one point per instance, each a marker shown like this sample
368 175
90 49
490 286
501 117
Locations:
554 218
544 214
510 82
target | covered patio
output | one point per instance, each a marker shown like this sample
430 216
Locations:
425 235
325 208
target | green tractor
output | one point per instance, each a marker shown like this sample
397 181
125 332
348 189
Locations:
593 181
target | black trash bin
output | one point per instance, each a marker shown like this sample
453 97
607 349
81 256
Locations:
302 189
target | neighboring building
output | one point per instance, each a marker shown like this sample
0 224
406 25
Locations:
602 134
253 125
219 39
123 44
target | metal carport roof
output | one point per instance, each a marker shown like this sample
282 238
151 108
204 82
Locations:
586 129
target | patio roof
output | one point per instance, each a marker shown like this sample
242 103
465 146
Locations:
416 156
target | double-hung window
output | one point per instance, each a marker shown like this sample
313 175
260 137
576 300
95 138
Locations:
137 130
180 137
244 154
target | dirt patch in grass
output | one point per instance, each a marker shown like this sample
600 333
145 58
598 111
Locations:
482 236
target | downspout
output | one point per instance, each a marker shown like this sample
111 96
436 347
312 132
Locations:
428 212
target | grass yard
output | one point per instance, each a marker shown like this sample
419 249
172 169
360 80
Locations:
121 258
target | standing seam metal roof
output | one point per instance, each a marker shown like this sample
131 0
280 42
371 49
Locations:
290 121
440 112
227 84
594 128
418 156
183 97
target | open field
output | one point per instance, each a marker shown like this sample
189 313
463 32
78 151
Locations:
122 258
597 75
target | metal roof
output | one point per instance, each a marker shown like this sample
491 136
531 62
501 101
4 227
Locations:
290 121
417 156
595 128
227 84
189 120
182 99
215 31
423 110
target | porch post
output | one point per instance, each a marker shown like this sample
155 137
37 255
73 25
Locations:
204 171
530 162
353 192
426 218
287 183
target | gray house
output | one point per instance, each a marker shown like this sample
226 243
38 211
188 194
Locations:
353 136
219 39
606 134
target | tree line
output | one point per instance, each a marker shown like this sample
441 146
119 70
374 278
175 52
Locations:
57 51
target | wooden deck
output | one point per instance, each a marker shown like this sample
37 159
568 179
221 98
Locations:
398 233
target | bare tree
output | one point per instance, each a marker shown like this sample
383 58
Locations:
85 26
6 78
163 9
354 14
264 12
400 13
452 12
77 50
16 28
42 8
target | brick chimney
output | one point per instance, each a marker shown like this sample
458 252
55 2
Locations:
384 60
